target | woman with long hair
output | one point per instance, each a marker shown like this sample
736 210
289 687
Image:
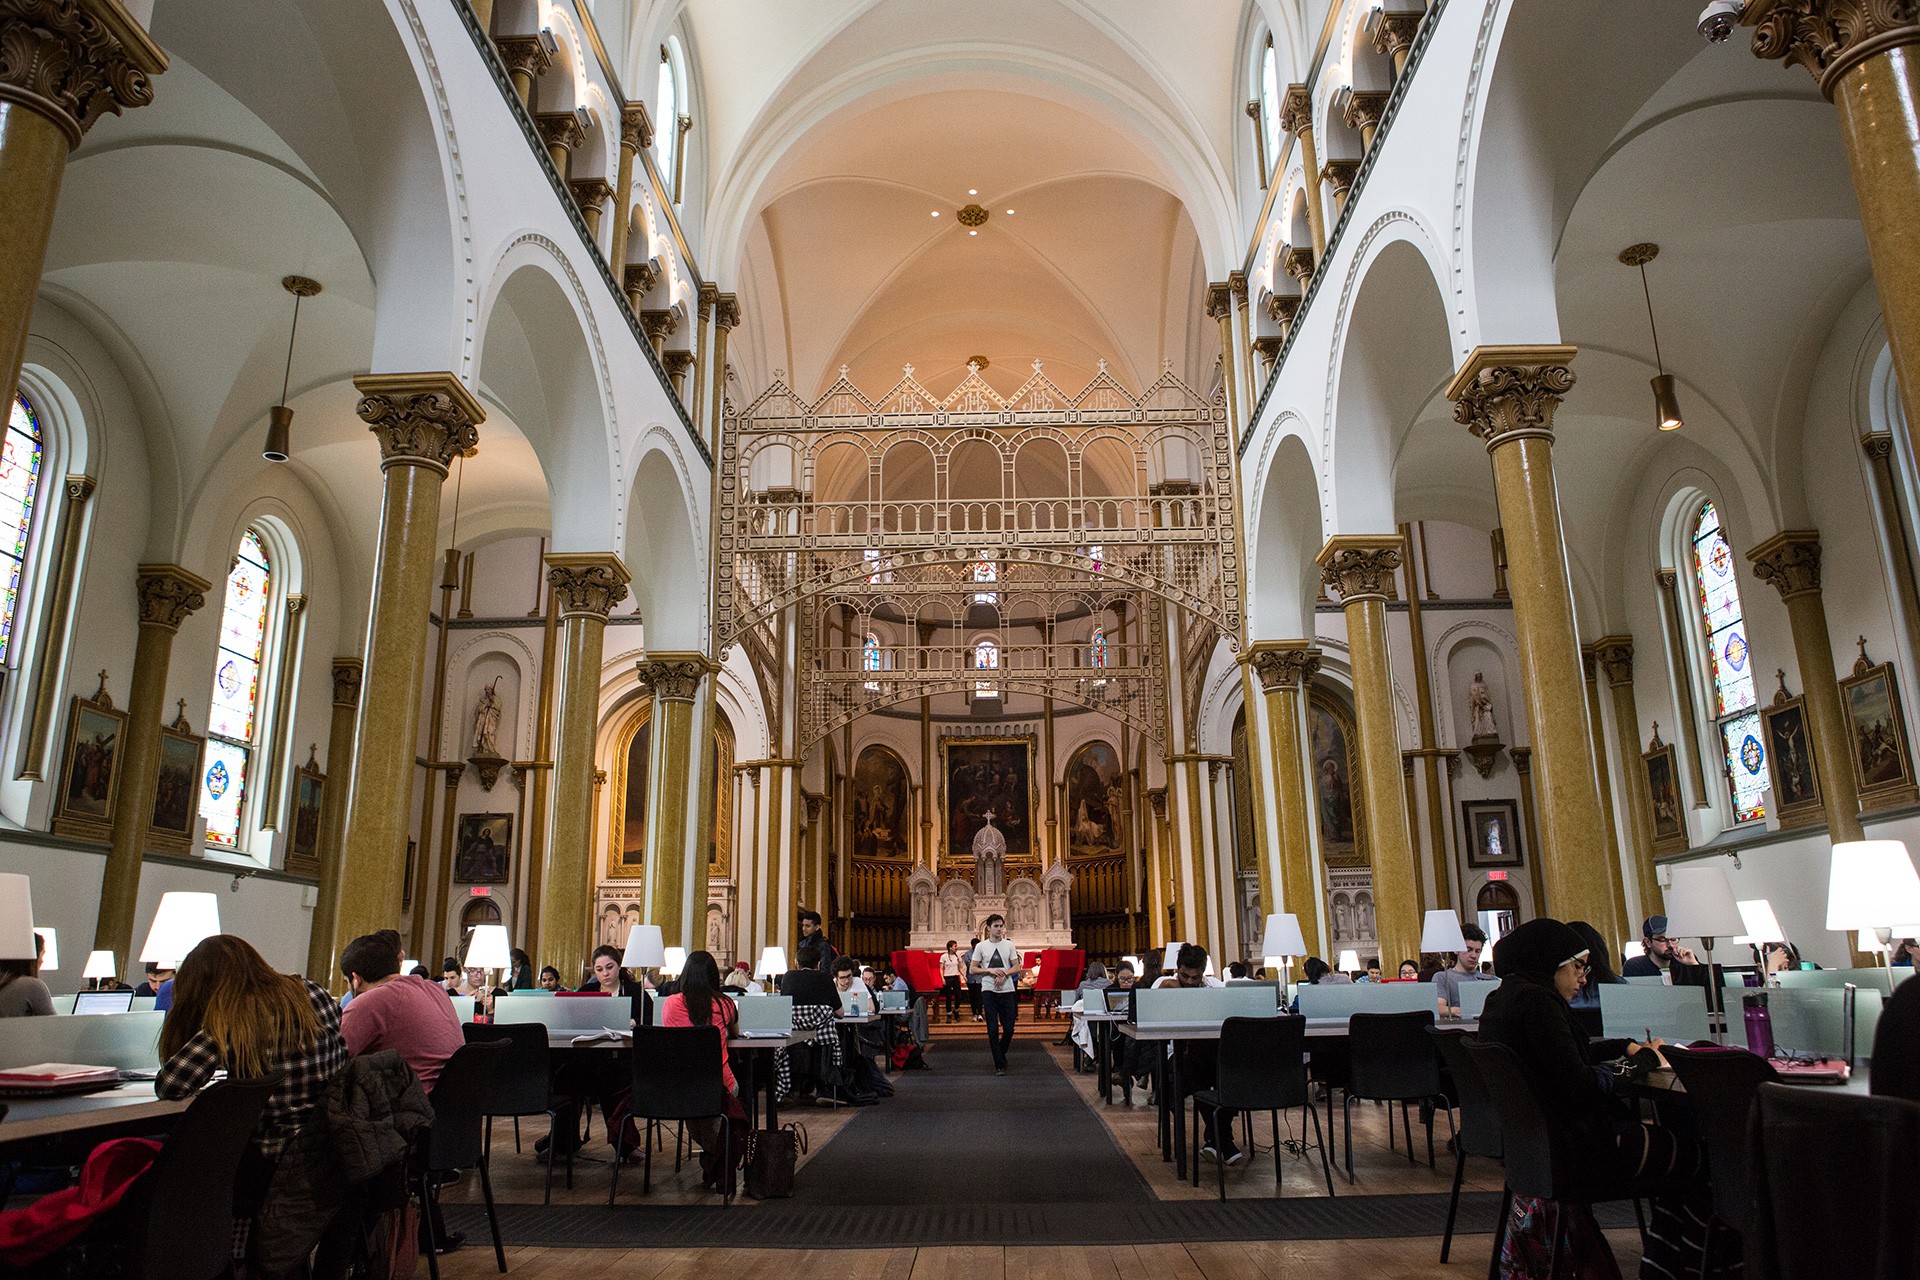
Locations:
703 1002
1599 972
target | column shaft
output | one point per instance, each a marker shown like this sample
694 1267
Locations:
675 681
1436 834
635 136
1286 670
1615 655
321 957
541 758
1296 117
1603 775
46 674
168 594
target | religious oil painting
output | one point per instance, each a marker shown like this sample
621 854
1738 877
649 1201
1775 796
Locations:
881 803
627 857
1663 798
988 776
1336 807
309 794
90 779
484 848
1877 734
1796 788
175 789
1493 833
1094 801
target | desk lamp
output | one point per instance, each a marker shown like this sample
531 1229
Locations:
100 967
646 949
772 964
182 922
488 951
1872 887
1280 943
1440 934
16 917
1349 962
1700 905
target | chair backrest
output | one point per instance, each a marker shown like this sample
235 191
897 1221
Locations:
1833 1187
1393 1056
1896 1045
1532 1155
1262 1064
1720 1085
523 1075
460 1101
1479 1120
676 1073
179 1218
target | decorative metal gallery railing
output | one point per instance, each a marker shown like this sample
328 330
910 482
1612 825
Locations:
1017 519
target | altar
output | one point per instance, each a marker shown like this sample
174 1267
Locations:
1039 913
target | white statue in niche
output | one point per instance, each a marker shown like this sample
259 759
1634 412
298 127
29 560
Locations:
486 721
989 856
1480 709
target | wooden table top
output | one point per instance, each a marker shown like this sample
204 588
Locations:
31 1119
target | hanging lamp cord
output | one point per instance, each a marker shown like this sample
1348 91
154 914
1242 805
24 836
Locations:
1646 293
286 379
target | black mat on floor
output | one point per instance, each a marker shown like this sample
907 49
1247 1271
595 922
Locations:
910 1172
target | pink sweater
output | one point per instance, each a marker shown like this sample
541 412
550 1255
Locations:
673 1013
409 1015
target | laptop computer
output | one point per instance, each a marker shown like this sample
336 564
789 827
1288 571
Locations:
764 1017
103 1002
893 999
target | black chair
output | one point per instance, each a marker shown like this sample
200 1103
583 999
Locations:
1477 1135
523 1085
454 1140
1895 1070
1832 1186
1537 1160
1393 1060
177 1221
676 1076
1261 1067
1721 1085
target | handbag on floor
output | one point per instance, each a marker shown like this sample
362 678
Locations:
772 1155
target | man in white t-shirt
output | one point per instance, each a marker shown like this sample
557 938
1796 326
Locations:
997 960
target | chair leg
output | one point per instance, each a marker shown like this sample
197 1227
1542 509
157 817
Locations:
493 1218
1320 1140
1640 1217
726 1161
679 1141
426 1218
1406 1121
1346 1111
516 1135
1390 1140
613 1183
1500 1232
646 1169
1193 1146
1453 1204
1275 1117
486 1147
1553 1264
1429 1141
1706 1250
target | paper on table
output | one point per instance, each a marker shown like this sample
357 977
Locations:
57 1073
612 1035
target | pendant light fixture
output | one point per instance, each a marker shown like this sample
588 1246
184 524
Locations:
1666 401
280 418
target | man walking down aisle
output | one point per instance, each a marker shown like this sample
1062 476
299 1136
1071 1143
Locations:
997 961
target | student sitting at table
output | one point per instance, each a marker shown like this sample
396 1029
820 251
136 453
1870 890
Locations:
151 986
1409 971
701 1002
397 1011
1466 968
869 1041
1199 1059
549 978
21 991
820 1065
1599 967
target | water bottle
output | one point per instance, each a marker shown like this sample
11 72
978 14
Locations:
1759 1025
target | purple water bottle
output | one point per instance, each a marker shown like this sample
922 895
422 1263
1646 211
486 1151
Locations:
1759 1025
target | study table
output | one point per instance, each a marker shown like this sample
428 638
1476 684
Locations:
754 1048
59 1130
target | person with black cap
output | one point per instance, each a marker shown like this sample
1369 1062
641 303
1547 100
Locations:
1663 954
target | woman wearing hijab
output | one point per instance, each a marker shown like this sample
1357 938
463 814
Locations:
1541 965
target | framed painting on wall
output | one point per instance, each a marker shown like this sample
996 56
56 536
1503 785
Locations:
1877 735
90 768
483 850
1493 833
176 788
309 794
988 775
1661 780
1796 787
882 804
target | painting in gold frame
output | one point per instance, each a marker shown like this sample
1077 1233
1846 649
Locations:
1877 735
90 767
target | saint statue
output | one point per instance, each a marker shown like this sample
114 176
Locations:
989 853
486 722
1480 709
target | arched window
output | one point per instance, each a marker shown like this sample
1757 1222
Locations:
234 717
1270 106
986 571
1097 556
986 657
1730 664
870 653
19 485
672 122
1097 649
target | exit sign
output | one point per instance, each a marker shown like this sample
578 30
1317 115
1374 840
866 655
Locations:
1491 875
482 891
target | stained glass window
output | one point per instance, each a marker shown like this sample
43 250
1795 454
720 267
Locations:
666 132
986 657
985 571
1097 650
19 482
870 653
1730 663
1270 105
1097 555
236 692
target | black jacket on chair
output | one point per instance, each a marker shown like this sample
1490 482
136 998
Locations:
1532 1020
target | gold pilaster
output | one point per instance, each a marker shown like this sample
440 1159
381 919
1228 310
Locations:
726 315
46 671
1286 669
1615 657
1507 396
274 766
1522 758
1878 447
1671 614
636 135
674 679
704 303
540 766
1360 567
1603 775
1789 562
168 595
321 957
1296 117
1159 902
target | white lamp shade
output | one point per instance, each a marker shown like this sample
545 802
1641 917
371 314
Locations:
1283 936
1349 962
181 923
100 965
1700 904
1169 959
49 958
1441 932
1869 942
1761 924
1872 885
773 962
489 948
1132 962
16 917
675 960
1631 949
646 947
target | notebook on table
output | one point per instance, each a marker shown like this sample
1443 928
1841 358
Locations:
50 1079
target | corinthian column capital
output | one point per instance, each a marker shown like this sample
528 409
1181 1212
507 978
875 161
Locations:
169 594
1789 562
1830 37
726 310
673 677
1296 109
1219 300
1360 566
1394 35
1510 393
1285 664
73 61
1615 656
588 584
636 127
422 419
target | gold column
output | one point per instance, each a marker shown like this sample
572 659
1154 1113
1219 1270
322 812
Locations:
562 134
274 765
659 325
65 64
1394 37
527 60
1360 567
704 303
1296 117
333 812
585 588
46 670
1220 310
1668 581
423 421
638 280
1589 667
929 849
706 780
540 765
440 928
1363 112
679 363
429 924
1863 54
1878 446
674 680
636 135
1243 343
1615 656
1789 562
592 195
1050 851
168 594
1436 834
1288 883
1522 758
1506 396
